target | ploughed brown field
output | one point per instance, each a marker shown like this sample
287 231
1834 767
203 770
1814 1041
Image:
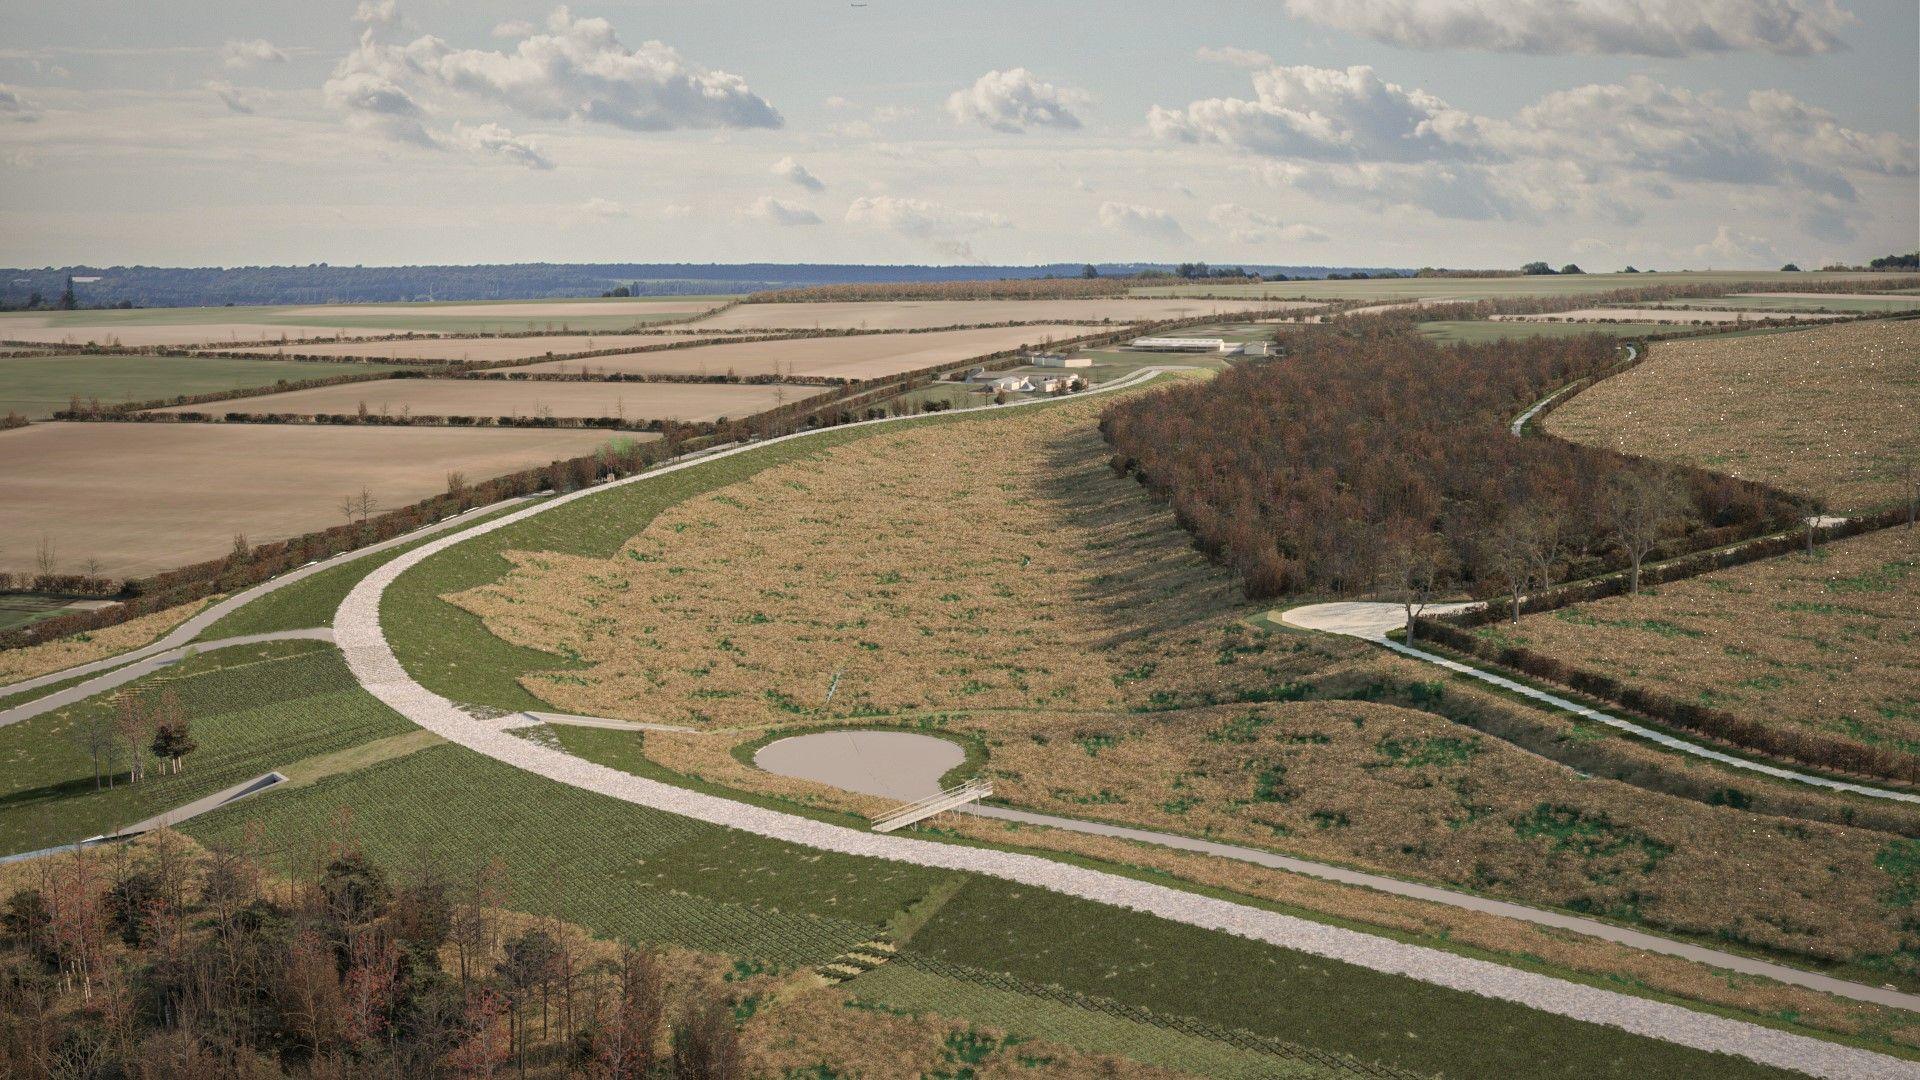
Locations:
1828 412
476 349
995 578
560 309
134 335
1830 643
148 497
916 314
867 356
503 397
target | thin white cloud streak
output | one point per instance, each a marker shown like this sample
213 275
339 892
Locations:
1666 28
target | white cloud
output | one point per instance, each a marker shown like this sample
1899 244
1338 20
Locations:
1014 100
1637 27
1732 249
838 102
246 54
1141 221
513 28
1233 56
780 212
676 211
233 97
377 12
1327 114
15 106
920 218
1247 226
492 140
795 173
577 69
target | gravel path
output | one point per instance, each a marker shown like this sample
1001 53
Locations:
357 630
1352 619
187 631
1519 426
149 663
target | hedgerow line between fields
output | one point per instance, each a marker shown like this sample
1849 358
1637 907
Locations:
372 659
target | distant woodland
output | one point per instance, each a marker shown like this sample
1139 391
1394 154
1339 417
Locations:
1374 460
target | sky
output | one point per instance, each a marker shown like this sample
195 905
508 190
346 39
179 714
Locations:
1664 134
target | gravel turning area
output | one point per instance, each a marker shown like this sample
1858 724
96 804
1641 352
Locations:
359 634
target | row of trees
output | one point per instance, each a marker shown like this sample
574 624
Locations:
163 962
1372 458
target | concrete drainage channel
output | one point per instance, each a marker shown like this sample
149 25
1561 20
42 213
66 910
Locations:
164 820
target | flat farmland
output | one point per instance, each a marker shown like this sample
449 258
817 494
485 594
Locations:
147 335
1661 315
479 350
147 497
37 386
1479 330
1829 643
867 356
1828 411
920 314
1792 301
505 397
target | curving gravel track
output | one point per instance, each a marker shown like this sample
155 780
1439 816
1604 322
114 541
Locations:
185 633
358 632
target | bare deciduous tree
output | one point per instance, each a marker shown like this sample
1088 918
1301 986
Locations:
1640 509
1414 567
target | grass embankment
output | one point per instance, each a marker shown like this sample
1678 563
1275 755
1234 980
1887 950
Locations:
1827 412
252 709
624 870
312 601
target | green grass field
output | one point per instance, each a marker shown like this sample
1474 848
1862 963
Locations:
25 609
1385 289
312 601
38 386
252 709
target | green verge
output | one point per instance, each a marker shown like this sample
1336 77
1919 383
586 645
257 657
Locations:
253 708
450 651
312 601
622 870
1171 968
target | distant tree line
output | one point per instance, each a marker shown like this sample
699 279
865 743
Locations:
1371 459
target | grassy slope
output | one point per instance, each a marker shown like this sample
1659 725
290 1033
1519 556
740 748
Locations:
312 601
252 709
37 386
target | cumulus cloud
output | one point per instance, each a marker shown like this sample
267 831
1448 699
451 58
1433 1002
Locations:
1327 114
377 12
1248 226
513 28
492 140
1145 221
1731 248
780 212
1233 56
15 106
246 54
920 218
1602 149
1549 27
795 173
576 69
230 95
1015 100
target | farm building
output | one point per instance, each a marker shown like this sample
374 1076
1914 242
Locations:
1058 360
1183 344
